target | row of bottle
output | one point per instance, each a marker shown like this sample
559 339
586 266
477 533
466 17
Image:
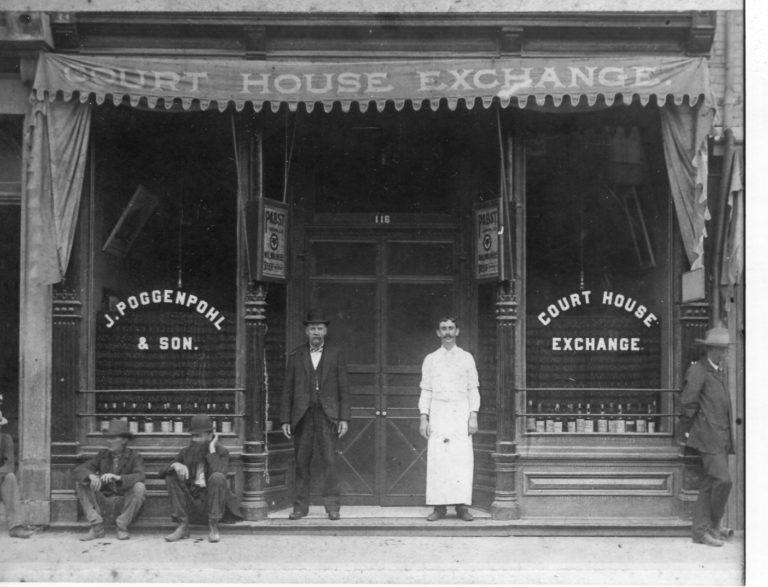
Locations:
549 418
164 417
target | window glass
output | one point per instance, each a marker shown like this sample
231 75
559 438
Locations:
164 259
597 284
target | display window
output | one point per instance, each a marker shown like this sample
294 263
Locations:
597 274
164 269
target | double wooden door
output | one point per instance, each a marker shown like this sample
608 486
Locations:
384 293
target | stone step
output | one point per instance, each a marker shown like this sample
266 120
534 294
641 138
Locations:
377 521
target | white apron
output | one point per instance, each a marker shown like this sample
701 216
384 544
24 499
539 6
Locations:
450 460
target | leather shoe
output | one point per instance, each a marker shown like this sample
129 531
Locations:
296 515
20 532
462 512
334 515
437 514
708 539
722 533
96 531
122 533
181 532
213 531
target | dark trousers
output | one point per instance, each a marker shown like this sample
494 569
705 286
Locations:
198 504
315 434
124 508
713 493
9 495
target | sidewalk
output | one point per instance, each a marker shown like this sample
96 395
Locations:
283 558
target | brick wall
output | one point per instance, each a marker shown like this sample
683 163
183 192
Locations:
727 56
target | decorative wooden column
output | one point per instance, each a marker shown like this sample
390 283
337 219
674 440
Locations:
67 318
253 325
67 313
694 321
254 503
506 505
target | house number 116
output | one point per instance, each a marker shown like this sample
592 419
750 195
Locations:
381 219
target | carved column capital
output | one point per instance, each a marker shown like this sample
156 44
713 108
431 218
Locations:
506 304
66 304
256 303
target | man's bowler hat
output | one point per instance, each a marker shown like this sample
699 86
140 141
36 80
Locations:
118 428
201 423
717 336
316 316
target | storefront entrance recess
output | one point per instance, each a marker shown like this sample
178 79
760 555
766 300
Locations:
383 294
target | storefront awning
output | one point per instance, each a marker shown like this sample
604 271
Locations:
221 83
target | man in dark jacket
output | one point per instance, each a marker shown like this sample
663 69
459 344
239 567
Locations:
112 480
314 410
9 487
706 423
197 483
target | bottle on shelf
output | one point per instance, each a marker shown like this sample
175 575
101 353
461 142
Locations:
166 419
570 422
124 408
602 420
589 421
550 420
133 418
541 425
215 419
227 421
612 418
641 424
651 411
558 420
178 420
629 420
149 423
580 422
105 417
620 426
530 417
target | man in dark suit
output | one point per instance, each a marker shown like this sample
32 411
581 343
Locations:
112 480
197 483
314 411
706 425
9 487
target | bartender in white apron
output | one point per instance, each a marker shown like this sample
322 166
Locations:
448 406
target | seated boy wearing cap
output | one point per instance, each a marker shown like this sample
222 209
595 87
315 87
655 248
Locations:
197 483
112 480
9 487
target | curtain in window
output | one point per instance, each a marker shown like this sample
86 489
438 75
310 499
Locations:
684 132
57 143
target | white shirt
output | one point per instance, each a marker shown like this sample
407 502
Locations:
200 475
315 355
715 367
449 376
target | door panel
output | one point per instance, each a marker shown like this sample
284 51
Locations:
353 327
383 298
349 305
405 468
411 311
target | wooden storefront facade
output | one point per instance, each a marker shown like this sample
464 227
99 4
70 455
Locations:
381 200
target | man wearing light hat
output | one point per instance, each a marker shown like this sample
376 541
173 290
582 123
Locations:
197 483
112 480
706 424
9 487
